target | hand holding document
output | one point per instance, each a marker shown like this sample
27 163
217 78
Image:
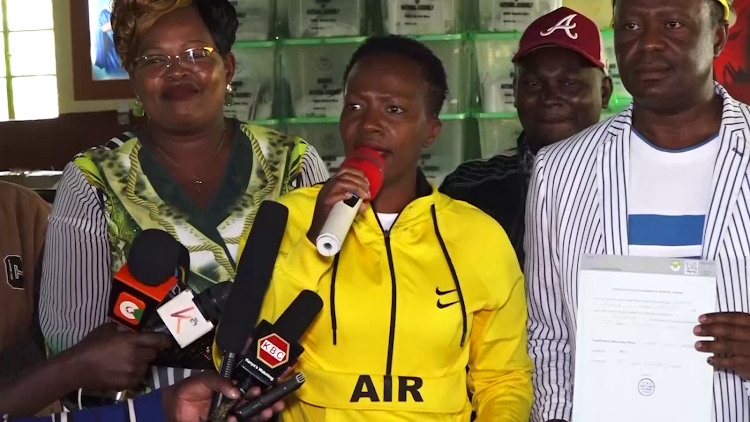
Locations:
731 349
635 346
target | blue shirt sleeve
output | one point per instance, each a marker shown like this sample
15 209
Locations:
147 408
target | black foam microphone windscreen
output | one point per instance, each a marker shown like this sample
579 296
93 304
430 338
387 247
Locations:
154 256
146 280
298 316
254 273
276 347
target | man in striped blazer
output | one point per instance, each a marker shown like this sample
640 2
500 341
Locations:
668 177
561 88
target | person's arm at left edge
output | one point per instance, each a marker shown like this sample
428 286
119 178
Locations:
126 356
188 401
499 364
23 226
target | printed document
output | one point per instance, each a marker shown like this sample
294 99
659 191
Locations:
635 357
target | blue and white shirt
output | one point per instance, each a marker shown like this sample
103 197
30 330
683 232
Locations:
669 195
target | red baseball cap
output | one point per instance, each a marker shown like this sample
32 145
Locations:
564 28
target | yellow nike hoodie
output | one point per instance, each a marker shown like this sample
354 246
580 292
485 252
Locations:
406 311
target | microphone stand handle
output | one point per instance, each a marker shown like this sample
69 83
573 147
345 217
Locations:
228 362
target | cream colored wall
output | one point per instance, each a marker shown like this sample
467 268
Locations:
63 52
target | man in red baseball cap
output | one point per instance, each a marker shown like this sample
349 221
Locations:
561 82
561 87
665 178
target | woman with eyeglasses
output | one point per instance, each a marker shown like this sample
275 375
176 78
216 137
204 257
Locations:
189 171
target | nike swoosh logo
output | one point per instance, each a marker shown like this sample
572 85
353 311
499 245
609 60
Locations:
441 305
441 293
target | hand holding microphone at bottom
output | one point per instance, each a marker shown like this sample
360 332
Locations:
190 400
268 360
105 359
187 401
111 358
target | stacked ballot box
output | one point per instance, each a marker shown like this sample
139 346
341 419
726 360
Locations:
291 57
313 74
421 17
255 80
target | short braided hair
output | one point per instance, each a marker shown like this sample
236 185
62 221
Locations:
432 67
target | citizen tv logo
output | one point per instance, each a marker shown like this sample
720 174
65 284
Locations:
129 308
273 350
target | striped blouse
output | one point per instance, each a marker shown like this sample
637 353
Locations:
77 275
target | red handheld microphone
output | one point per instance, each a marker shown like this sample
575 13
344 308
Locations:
133 302
337 225
150 277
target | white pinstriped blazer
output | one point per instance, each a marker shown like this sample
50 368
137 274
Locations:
578 205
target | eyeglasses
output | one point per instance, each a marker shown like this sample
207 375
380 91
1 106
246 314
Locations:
193 60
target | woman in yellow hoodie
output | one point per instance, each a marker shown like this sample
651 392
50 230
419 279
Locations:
424 286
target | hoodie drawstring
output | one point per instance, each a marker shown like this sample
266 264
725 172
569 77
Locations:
453 274
333 295
334 325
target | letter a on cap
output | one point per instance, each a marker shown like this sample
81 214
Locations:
566 24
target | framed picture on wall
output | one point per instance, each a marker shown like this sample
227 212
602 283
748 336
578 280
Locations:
97 69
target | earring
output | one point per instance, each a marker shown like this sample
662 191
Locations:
229 96
138 108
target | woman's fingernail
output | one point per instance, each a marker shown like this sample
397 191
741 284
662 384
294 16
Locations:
702 318
699 345
697 329
710 361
